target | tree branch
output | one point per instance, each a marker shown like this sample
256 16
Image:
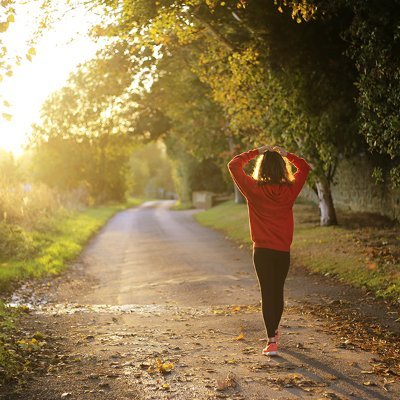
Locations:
214 32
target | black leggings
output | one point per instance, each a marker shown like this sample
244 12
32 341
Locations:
272 267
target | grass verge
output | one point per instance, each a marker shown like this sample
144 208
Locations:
179 206
363 250
62 242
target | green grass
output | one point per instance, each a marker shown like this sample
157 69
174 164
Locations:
179 206
230 218
61 243
332 251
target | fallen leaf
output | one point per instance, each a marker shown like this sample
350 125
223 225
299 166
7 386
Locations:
240 336
160 366
228 382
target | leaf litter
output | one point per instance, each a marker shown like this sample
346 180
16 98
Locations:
351 330
294 380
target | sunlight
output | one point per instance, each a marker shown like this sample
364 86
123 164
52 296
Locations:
58 52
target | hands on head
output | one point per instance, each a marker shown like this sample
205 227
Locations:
276 148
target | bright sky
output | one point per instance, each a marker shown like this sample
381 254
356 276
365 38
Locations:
58 52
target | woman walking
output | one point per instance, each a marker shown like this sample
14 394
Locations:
270 193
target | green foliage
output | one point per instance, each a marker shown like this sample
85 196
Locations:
372 38
86 106
191 174
285 90
270 78
84 140
150 171
28 207
195 128
23 204
375 44
252 71
15 242
195 121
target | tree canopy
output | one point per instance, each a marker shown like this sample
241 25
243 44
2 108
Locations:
267 77
210 77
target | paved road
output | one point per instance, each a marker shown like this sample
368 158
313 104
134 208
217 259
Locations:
155 285
151 254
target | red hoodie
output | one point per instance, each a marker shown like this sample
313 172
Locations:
269 205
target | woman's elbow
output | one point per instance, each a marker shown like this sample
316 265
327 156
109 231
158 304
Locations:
231 165
307 166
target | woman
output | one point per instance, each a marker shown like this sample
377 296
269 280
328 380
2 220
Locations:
270 194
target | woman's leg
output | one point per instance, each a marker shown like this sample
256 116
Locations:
283 263
271 267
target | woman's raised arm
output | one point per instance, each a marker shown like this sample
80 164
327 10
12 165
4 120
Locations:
303 168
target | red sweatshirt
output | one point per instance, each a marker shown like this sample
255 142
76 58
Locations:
269 206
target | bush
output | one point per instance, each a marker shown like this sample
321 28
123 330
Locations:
23 205
15 242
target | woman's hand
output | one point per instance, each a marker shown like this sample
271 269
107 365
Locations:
280 150
263 149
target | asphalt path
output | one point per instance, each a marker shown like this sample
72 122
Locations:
151 254
159 307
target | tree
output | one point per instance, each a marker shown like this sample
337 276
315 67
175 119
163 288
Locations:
150 171
372 42
194 134
375 44
274 79
84 135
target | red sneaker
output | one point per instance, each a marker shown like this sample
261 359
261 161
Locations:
271 349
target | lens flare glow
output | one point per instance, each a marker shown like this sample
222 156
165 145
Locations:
58 52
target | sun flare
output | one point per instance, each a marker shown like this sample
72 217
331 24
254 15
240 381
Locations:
58 52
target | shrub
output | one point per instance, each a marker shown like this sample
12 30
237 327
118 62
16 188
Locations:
15 242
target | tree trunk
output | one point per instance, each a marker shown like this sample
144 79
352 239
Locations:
239 198
326 207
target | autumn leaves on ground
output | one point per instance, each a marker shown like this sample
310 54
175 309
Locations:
158 306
